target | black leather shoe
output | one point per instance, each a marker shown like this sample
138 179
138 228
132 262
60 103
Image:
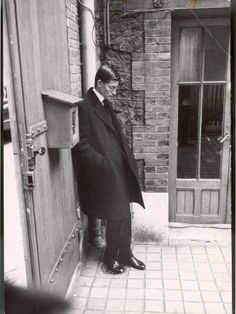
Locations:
133 262
114 267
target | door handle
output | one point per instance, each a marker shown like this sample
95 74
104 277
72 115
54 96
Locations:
221 139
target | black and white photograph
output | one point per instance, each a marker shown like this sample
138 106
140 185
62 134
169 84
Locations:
117 157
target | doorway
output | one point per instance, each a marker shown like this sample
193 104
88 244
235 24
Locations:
200 137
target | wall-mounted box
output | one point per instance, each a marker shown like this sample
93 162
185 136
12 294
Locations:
61 113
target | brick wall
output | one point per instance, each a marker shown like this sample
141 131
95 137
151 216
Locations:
72 22
151 73
140 50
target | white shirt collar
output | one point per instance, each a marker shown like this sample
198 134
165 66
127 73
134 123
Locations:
99 96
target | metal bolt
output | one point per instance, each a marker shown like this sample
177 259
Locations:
56 269
51 281
38 130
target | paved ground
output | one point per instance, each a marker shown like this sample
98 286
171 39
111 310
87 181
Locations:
179 279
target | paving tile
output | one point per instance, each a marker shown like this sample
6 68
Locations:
84 281
153 283
189 285
168 249
202 267
115 305
93 312
185 258
222 276
153 274
118 283
135 283
140 256
135 294
173 295
153 266
219 268
154 257
213 250
78 303
216 259
174 306
192 296
207 285
136 274
169 258
154 294
88 272
226 296
187 275
139 248
202 275
198 250
185 249
98 292
213 308
186 266
170 274
171 284
96 304
117 293
224 285
228 308
153 249
154 306
194 308
81 291
131 306
170 266
211 296
101 282
101 274
200 258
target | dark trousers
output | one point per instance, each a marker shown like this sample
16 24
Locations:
118 238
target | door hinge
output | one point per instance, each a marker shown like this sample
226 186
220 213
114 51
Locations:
38 128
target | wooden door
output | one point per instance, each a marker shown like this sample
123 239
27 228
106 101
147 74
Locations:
38 60
200 121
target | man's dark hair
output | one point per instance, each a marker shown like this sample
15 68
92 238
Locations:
106 73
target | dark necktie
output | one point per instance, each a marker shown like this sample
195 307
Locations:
106 107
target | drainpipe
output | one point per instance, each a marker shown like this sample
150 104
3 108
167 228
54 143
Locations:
88 48
89 69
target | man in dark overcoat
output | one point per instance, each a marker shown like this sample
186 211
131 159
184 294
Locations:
107 172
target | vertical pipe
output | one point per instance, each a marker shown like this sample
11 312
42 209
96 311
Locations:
88 48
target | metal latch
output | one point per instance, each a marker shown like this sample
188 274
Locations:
32 152
221 139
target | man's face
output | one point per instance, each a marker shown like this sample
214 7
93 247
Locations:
107 90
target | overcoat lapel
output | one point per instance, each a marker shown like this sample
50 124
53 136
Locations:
99 109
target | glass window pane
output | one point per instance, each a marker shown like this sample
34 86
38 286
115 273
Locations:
215 53
212 118
187 132
190 54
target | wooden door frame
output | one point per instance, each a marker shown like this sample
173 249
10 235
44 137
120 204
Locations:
176 23
12 74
